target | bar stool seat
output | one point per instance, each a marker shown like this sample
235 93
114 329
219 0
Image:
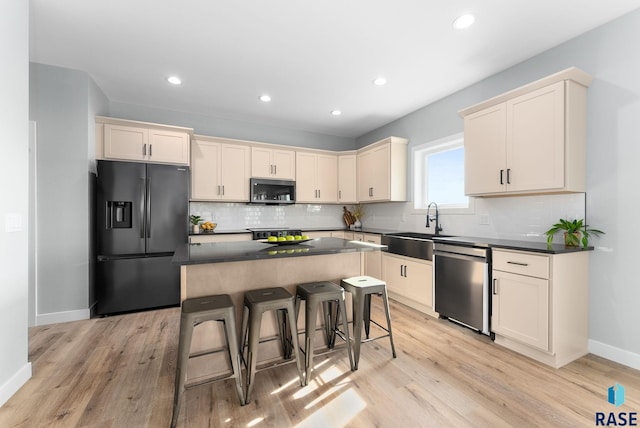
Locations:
322 294
196 311
257 302
361 289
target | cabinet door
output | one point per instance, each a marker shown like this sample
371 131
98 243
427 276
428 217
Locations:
261 165
235 172
168 147
521 308
327 178
408 278
284 162
380 173
205 161
485 138
347 179
365 173
372 259
535 135
125 142
306 189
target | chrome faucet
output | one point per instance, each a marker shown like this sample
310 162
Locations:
431 218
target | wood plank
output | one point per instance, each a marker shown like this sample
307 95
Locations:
119 371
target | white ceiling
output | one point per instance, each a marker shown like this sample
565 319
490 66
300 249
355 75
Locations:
311 57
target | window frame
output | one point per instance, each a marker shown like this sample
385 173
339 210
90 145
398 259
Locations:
418 154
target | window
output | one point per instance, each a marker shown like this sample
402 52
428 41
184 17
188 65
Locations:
439 175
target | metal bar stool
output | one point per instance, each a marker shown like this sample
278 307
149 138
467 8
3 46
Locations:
322 294
256 302
361 289
196 311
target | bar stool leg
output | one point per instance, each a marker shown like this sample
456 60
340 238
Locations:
254 336
345 325
358 313
309 331
386 311
234 355
328 324
294 339
186 331
367 314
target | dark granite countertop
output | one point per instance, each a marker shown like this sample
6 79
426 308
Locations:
220 252
537 247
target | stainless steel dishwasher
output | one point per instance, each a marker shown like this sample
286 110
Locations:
462 278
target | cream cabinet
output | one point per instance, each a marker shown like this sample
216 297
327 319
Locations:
382 171
316 177
219 237
347 179
409 281
540 304
220 171
119 139
268 162
531 140
324 234
372 260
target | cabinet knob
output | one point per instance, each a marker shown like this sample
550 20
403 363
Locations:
495 285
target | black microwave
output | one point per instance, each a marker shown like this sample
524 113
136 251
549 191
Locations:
272 192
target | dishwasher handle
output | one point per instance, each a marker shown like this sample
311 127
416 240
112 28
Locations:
482 259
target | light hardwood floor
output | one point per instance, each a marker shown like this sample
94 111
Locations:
119 372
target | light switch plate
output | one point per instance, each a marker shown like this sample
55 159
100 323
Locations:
13 222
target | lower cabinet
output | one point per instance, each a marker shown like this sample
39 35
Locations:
221 237
409 281
540 304
372 259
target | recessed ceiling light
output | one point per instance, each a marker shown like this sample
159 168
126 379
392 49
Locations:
175 80
464 21
336 112
380 81
265 98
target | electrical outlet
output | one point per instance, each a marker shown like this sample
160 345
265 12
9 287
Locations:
484 220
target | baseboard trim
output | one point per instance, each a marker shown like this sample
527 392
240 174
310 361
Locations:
58 317
14 383
622 356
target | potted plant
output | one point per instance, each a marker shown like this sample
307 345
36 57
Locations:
358 212
575 231
195 223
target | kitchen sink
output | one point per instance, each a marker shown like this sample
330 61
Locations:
410 244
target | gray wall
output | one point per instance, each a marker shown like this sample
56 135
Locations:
610 54
60 101
14 187
219 127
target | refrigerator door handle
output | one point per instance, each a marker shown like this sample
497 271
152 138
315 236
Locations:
142 223
148 203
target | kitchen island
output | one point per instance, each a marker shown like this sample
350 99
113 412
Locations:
235 267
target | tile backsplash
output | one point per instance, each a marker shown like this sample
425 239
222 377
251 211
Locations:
520 218
234 216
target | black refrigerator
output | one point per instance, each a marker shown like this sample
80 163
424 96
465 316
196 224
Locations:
141 217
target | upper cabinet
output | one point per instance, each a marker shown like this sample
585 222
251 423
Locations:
316 177
347 179
220 170
382 171
530 140
118 139
267 162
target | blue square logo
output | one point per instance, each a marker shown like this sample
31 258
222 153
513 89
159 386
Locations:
616 395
